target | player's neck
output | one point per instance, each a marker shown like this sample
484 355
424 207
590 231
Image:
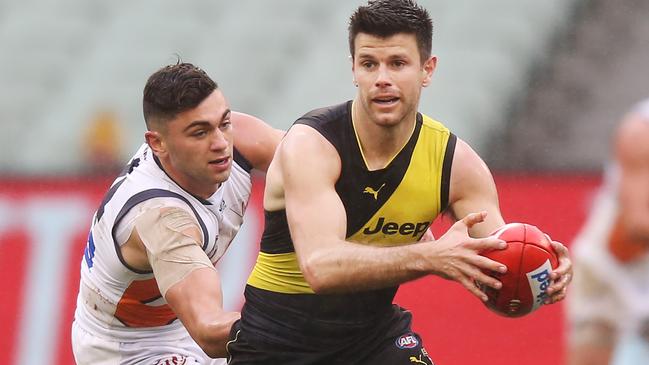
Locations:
379 144
195 188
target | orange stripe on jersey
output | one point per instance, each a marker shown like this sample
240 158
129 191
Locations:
622 246
133 310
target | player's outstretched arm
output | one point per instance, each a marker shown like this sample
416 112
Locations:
198 303
473 189
186 277
310 167
255 139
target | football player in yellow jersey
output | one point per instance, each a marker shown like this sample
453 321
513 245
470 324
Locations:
350 192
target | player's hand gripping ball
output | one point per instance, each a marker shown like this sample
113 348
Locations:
529 258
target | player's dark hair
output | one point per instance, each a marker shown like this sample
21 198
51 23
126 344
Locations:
385 18
174 89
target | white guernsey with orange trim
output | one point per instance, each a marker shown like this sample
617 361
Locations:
121 315
610 287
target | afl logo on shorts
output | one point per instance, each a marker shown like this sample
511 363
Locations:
408 341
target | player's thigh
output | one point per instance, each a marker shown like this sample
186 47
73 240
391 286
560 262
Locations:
407 348
181 351
175 359
246 348
91 350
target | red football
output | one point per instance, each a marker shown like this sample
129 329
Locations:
529 258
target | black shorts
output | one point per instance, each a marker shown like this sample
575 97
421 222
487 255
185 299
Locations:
377 349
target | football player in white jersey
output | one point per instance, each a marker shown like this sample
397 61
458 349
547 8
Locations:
608 308
149 292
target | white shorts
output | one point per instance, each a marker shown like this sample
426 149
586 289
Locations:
92 350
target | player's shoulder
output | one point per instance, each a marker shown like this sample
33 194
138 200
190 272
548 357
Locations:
164 203
633 132
156 207
246 121
310 138
307 153
328 125
433 125
437 138
635 125
254 141
326 115
304 137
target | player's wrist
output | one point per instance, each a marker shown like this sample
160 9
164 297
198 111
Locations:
422 260
217 333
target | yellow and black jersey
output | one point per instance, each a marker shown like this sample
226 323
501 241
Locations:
386 207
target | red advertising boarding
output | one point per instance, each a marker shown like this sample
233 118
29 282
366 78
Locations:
43 228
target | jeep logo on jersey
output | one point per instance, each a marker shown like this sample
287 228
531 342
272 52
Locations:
391 228
539 280
408 341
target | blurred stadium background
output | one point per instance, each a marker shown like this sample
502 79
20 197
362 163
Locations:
536 86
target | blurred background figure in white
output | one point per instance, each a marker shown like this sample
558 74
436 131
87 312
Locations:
609 303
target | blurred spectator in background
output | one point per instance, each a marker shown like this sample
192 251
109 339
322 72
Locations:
102 144
608 308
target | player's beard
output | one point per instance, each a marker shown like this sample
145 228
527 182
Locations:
401 112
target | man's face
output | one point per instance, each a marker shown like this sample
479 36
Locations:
390 76
197 145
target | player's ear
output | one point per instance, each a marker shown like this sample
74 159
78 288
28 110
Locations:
155 142
428 69
351 59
